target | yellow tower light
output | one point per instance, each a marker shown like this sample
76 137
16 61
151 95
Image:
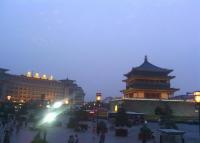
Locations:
116 108
51 77
36 75
29 74
197 97
44 76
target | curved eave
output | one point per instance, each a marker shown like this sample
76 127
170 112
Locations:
145 89
167 71
4 70
153 70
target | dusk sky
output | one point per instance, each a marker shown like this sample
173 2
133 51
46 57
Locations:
95 42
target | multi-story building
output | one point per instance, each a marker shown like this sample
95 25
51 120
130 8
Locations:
147 88
148 81
22 88
76 92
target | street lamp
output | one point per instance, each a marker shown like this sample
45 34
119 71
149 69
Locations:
66 101
197 101
8 97
57 104
98 100
50 117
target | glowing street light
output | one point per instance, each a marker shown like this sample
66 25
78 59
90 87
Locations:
98 103
8 98
197 97
48 106
50 117
98 97
66 101
197 101
57 104
116 108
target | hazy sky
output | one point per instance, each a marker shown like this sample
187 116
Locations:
95 42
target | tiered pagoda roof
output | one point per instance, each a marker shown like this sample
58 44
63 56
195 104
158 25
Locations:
149 68
3 70
149 77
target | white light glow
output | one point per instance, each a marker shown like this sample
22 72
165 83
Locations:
50 117
29 74
197 98
66 101
48 106
57 104
37 75
44 76
51 77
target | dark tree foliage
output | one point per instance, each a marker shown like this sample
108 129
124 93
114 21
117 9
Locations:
72 123
166 117
80 115
102 127
77 116
37 139
121 118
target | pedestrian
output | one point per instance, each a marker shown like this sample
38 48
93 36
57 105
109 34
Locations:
71 139
17 128
25 123
102 138
76 139
6 137
93 133
45 135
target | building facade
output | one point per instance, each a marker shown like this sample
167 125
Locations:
23 88
148 87
148 81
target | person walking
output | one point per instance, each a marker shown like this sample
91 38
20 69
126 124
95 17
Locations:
93 134
44 134
71 139
102 138
6 137
76 139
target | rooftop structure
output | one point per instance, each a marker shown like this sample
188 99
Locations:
22 88
148 81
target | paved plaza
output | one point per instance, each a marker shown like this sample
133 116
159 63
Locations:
61 134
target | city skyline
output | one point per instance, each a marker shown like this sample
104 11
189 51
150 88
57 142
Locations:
96 43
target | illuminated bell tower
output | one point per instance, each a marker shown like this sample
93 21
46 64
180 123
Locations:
148 81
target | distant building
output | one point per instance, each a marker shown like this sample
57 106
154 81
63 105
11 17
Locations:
76 92
23 88
149 82
187 96
107 99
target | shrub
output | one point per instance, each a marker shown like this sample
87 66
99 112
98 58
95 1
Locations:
166 116
121 118
72 123
145 133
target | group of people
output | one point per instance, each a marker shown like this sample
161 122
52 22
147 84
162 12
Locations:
100 135
73 139
99 132
8 126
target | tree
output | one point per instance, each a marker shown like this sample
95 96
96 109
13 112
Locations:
121 118
166 117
